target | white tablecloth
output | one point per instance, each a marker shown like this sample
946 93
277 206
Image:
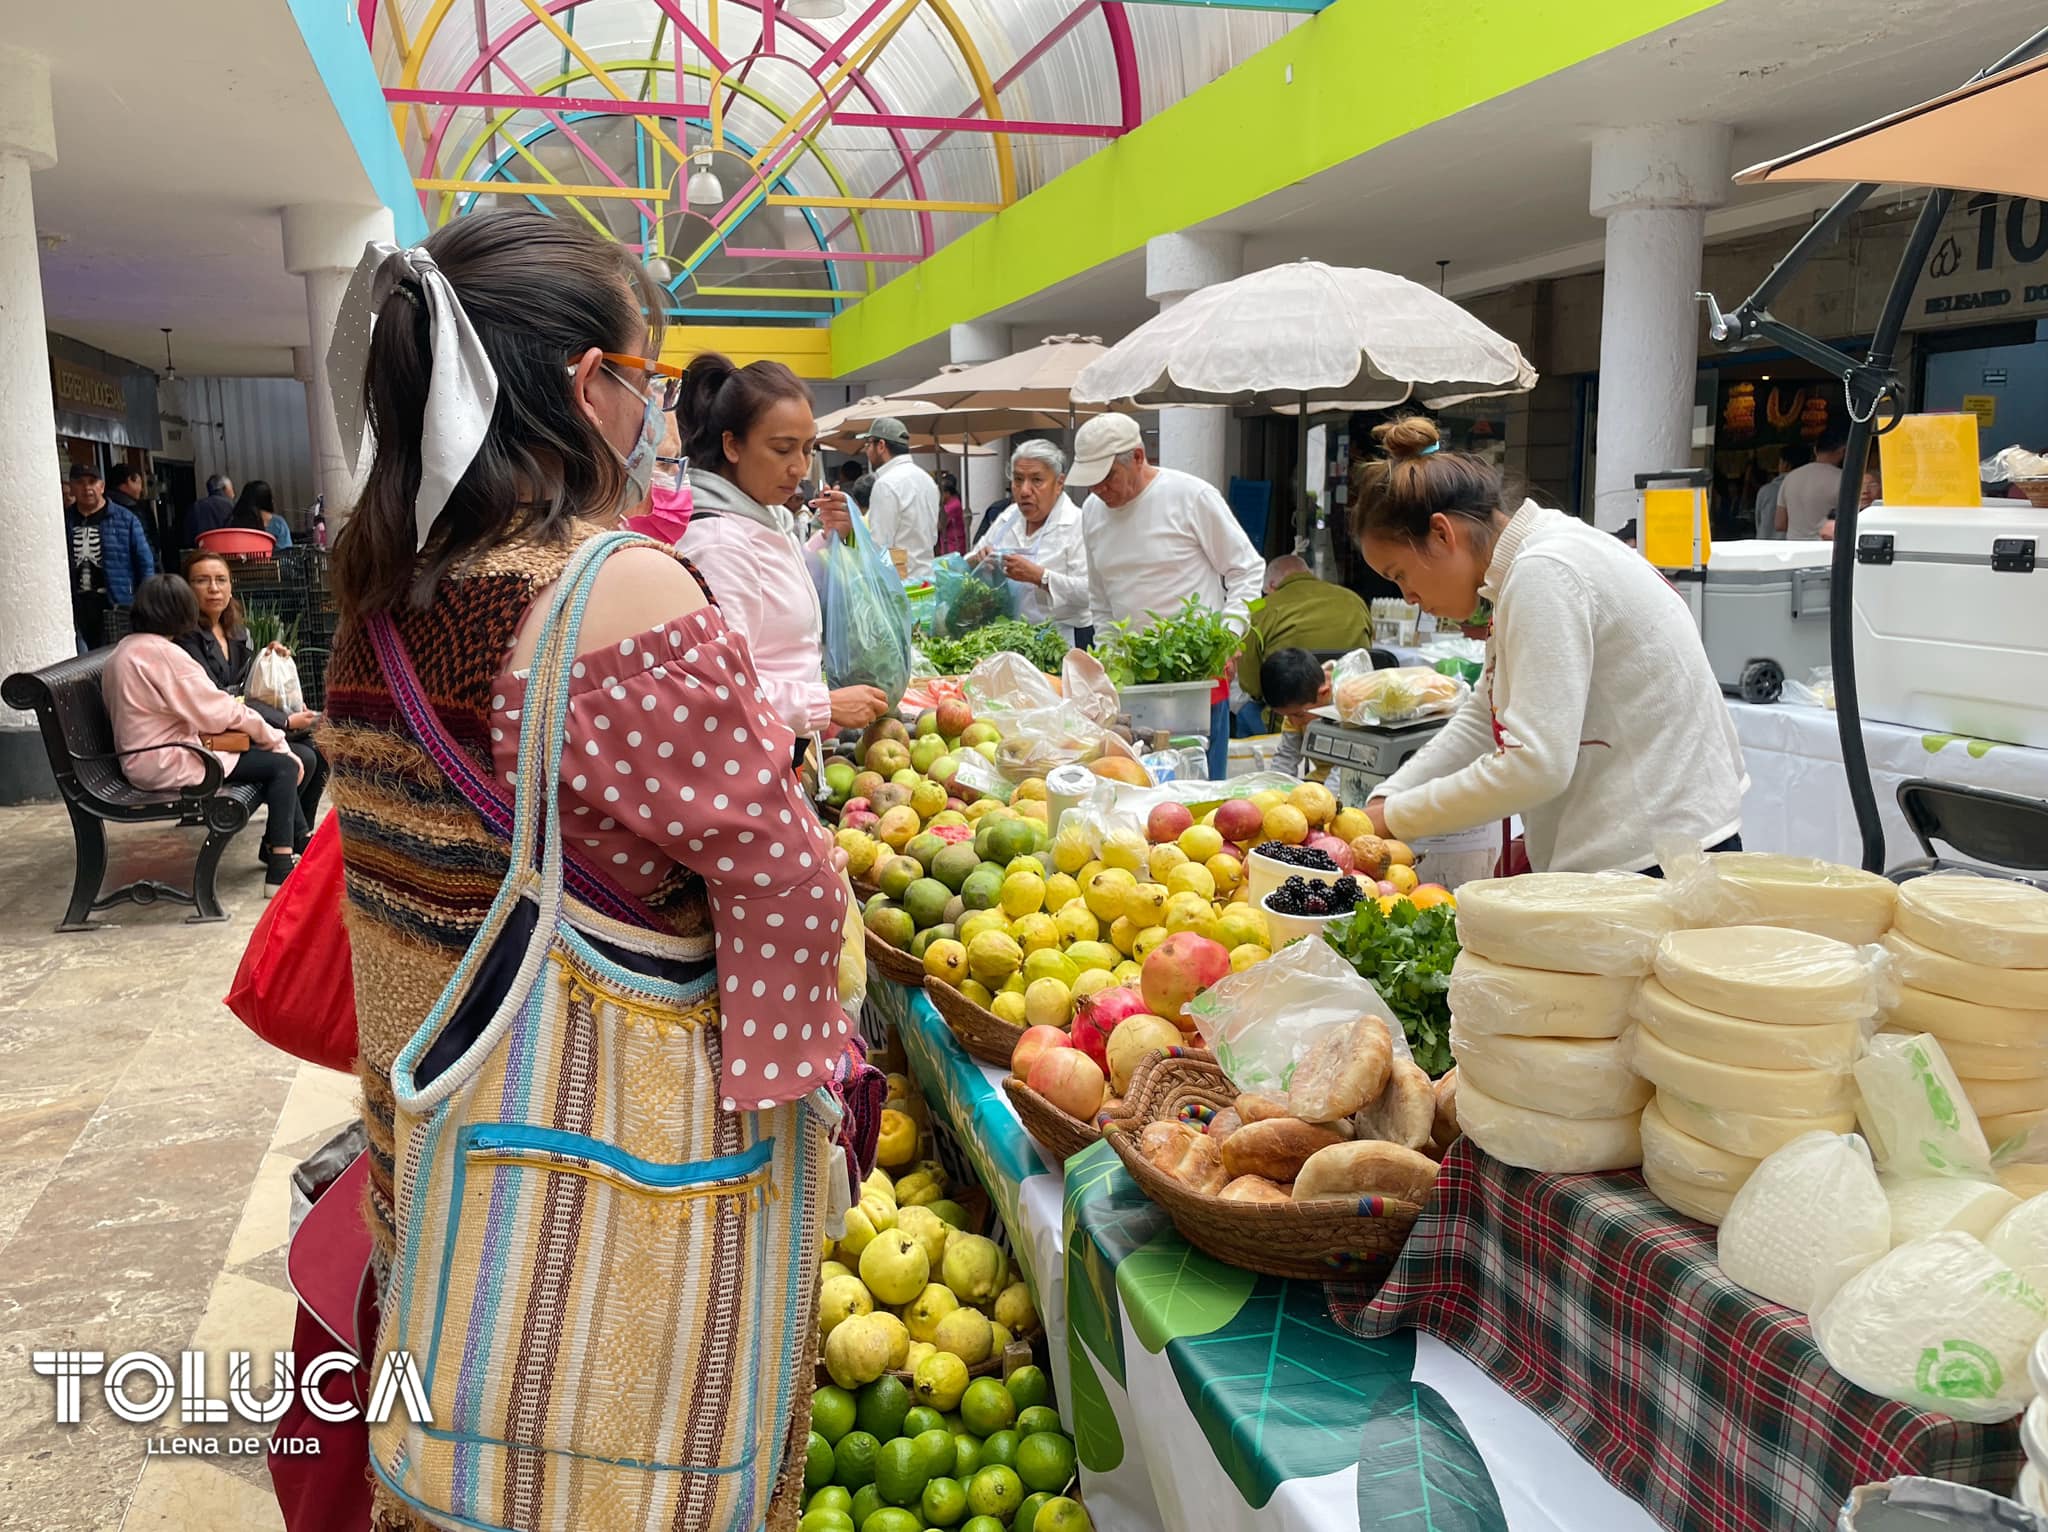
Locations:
1798 799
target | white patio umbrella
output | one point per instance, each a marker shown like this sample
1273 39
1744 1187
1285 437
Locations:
1039 377
842 428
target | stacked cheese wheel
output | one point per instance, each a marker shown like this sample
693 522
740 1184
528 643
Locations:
1749 1034
1800 893
1971 958
1539 1002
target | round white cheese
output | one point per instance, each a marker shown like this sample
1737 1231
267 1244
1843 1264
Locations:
1580 1078
1541 1141
1990 1061
1731 1040
1993 921
2024 1181
1924 1205
2020 1239
1965 1021
1737 1087
1570 922
1751 1134
2031 1126
1762 973
2000 1098
1701 1202
1489 998
1802 893
1694 1161
2024 989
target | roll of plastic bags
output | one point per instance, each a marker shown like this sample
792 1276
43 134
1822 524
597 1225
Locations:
1809 1218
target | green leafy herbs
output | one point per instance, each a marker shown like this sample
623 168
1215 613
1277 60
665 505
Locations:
267 627
1038 642
1192 644
1408 956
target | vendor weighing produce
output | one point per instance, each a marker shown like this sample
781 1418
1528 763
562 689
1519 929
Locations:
1597 719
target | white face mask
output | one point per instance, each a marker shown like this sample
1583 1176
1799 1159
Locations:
640 461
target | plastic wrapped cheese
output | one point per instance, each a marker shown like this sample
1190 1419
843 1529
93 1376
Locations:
1685 1158
1806 1220
1581 1078
1702 1202
1761 973
1773 1092
1800 893
1492 998
1964 1021
1914 1111
1750 1134
1541 1141
2000 1098
2023 1181
1571 922
2017 1135
1924 1205
2020 1239
1731 1040
1989 1061
1992 921
1941 1324
2021 989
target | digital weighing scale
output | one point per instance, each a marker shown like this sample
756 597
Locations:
1366 753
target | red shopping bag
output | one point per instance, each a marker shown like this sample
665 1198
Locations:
295 987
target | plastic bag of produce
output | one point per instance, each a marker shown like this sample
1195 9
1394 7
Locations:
274 679
867 617
1260 1022
1808 1219
1366 696
1914 1113
968 596
1941 1324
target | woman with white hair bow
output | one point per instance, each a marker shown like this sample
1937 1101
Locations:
1038 541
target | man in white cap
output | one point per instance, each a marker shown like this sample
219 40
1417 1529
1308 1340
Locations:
904 511
1155 537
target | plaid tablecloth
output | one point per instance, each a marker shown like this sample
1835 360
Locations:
1607 1314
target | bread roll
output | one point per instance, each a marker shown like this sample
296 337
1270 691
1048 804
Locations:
1274 1148
1254 1189
1445 1129
1366 1169
1344 1069
1161 1143
1256 1108
1405 1114
1200 1165
1225 1123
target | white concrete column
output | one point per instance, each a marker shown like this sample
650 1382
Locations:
1195 439
323 244
986 478
1653 185
35 619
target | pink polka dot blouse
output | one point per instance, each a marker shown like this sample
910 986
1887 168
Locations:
673 757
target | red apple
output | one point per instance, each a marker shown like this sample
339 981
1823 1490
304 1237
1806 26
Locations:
1035 1041
1166 821
1071 1081
955 716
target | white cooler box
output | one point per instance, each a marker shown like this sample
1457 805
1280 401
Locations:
1762 608
1951 610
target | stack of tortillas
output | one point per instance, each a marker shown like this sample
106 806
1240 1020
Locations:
1539 1002
1971 958
1749 1034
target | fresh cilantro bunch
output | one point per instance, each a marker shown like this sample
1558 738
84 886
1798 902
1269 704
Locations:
1040 643
1407 955
1192 644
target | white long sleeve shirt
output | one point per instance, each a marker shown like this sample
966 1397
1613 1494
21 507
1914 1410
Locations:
904 513
1177 539
1058 549
1597 719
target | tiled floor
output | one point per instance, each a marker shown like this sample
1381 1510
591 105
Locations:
146 1140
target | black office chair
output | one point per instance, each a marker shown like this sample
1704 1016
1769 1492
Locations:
1999 834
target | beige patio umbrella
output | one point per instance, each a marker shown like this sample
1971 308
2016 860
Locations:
841 430
1985 136
1039 377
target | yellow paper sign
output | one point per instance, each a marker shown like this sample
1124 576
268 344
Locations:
1931 460
1672 519
1984 407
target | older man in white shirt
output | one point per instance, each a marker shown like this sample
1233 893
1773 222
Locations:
903 513
1038 539
1155 537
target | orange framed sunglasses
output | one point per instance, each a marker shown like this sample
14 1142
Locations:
668 374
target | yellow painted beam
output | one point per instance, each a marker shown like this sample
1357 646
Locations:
884 204
543 189
805 349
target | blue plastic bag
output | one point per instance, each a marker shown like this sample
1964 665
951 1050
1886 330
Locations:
867 616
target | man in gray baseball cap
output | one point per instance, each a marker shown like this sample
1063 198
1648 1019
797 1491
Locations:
904 510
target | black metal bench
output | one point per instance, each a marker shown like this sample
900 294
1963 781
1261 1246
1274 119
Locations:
79 738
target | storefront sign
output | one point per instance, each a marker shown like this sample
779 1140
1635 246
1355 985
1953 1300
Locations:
1994 377
86 390
1984 407
1989 263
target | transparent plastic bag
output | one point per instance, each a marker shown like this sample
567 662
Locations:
1808 1219
1363 695
1109 806
1941 1324
1914 1113
1935 1505
1769 974
1260 1022
1992 921
867 616
968 596
274 679
1794 893
1817 690
1568 922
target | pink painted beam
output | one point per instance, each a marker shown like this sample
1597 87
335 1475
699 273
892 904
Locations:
823 255
1017 125
696 112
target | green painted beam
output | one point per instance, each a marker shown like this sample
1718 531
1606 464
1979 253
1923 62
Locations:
1338 86
1304 7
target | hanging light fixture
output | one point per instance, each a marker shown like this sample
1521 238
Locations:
704 189
170 367
815 10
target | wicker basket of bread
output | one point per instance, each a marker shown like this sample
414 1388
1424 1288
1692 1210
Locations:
1323 1183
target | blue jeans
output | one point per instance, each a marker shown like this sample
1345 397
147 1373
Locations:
1219 739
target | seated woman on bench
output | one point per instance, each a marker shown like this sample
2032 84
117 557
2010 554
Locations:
159 697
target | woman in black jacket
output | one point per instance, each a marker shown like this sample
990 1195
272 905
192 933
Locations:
221 646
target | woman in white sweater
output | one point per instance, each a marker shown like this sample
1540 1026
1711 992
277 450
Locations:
1597 719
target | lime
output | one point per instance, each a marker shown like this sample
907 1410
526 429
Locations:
1045 1460
865 1503
1000 1449
966 1455
855 1457
819 1465
922 1418
883 1405
890 1519
1060 1514
1028 1386
900 1472
1027 1513
935 1451
987 1406
832 1412
981 1524
944 1503
953 1424
826 1521
994 1492
1037 1418
832 1497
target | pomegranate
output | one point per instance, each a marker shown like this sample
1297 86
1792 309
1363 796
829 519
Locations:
1099 1016
1071 1081
1240 820
1338 851
1179 969
1166 821
1036 1040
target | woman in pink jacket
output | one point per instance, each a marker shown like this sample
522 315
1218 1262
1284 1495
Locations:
166 709
749 435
